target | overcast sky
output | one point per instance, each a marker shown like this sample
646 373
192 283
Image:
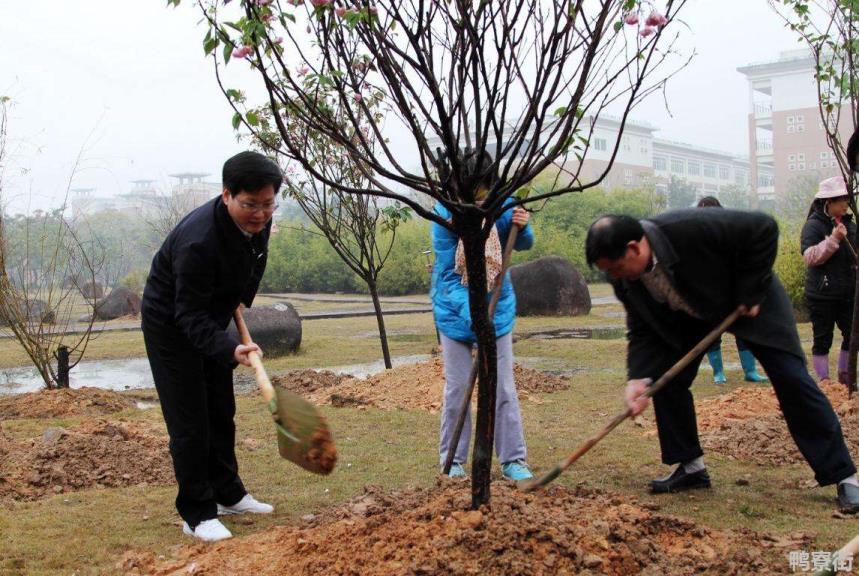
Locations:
126 83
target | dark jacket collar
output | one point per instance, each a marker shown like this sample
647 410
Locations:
660 245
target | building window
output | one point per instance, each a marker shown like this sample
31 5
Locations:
659 163
791 157
800 166
800 118
812 166
626 145
693 168
800 127
599 144
740 177
791 129
677 165
724 172
791 167
710 170
790 119
800 157
824 164
824 155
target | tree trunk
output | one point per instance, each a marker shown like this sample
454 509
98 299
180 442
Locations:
380 319
487 366
854 341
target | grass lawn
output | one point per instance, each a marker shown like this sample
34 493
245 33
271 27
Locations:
85 532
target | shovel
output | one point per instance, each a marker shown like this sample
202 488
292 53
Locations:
303 436
699 349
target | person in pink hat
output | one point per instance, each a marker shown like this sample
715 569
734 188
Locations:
831 278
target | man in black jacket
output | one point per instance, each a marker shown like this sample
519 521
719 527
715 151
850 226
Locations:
678 275
210 263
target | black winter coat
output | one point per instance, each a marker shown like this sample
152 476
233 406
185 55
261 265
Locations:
717 260
835 279
201 273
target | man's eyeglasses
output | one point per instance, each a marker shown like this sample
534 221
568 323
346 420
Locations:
254 208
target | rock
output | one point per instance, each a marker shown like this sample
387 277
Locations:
741 482
251 444
550 286
36 311
51 435
592 561
308 518
277 329
120 302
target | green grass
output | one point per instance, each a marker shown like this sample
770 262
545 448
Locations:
86 532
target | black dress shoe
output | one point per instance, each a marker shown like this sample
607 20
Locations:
680 480
848 498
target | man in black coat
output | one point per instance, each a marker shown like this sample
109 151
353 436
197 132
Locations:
680 274
210 263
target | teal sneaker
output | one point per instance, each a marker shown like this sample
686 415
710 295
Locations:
516 470
456 471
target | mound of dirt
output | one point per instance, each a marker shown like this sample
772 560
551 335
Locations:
556 531
303 382
412 387
63 402
746 424
95 454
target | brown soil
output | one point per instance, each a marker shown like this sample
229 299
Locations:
95 454
63 402
303 382
556 531
412 387
747 424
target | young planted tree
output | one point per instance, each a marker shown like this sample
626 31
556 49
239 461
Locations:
360 229
40 286
469 91
830 31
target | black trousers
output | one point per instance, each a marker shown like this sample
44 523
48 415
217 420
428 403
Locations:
810 418
825 315
198 404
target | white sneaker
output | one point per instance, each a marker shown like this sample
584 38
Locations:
247 504
208 530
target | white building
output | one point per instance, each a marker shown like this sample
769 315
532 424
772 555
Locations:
786 135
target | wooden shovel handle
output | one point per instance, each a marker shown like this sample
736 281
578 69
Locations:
263 381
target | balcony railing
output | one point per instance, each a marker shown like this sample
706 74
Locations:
763 109
764 146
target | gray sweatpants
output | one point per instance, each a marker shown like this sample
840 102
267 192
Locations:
509 437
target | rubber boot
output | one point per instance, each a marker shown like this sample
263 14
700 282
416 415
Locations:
820 362
715 358
747 361
843 357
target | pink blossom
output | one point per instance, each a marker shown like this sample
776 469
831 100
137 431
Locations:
242 52
373 10
278 40
320 3
268 17
631 18
647 31
656 19
356 97
341 11
264 2
302 70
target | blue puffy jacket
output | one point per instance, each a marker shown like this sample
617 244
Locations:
450 297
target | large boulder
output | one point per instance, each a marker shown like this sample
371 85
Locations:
120 302
277 329
37 311
550 286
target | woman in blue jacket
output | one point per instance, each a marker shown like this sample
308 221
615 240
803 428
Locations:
449 296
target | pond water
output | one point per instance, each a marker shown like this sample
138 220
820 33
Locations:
134 374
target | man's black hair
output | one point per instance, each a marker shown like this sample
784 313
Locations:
250 172
709 202
609 235
853 150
